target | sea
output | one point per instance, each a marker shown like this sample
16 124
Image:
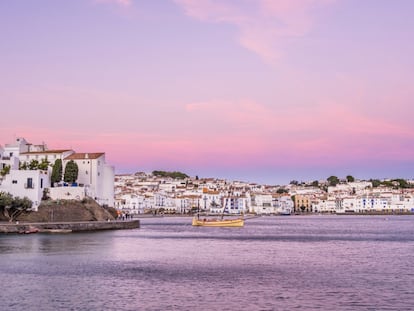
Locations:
316 262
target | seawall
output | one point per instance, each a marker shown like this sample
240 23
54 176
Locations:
68 226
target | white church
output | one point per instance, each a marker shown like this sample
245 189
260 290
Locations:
95 176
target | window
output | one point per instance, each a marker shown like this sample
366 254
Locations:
86 172
41 183
29 184
14 181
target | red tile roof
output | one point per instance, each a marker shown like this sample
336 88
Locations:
83 156
46 152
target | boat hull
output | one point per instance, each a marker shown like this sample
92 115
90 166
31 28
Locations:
239 222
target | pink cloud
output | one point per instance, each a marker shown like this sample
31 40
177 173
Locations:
330 130
264 26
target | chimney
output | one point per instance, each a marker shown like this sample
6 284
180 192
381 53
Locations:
86 156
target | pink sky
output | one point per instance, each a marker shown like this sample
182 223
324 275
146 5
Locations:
259 90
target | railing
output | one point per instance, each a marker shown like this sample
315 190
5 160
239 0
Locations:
29 186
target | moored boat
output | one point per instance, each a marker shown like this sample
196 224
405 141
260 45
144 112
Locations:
238 222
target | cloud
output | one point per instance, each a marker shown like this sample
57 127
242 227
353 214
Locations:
264 27
328 131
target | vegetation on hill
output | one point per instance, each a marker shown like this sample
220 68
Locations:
175 175
393 183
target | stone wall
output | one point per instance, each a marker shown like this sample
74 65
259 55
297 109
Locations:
68 226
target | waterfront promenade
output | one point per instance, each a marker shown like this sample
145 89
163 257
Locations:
79 226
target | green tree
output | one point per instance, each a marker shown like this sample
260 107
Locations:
315 183
23 166
5 170
333 180
282 190
402 183
6 200
71 172
375 183
350 178
44 165
175 175
56 172
12 208
33 165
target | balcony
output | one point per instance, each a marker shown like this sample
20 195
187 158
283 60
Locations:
29 186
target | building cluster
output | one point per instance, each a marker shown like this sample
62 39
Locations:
144 193
22 178
26 170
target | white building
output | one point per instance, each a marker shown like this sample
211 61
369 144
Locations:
283 205
95 175
26 183
234 204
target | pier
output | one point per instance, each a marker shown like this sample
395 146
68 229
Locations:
82 226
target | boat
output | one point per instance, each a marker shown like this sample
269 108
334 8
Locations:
29 230
238 222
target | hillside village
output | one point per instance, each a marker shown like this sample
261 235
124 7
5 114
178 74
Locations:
37 173
148 193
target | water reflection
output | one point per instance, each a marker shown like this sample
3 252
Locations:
309 263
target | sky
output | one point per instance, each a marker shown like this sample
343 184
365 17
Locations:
264 91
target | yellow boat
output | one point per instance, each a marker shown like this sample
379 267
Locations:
239 222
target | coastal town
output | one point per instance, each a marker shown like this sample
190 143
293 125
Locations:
36 173
142 193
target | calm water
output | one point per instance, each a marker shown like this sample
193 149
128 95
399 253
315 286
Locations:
273 263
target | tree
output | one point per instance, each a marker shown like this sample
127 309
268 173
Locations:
56 172
333 180
402 183
43 165
23 166
315 183
350 178
375 183
12 208
33 165
71 172
6 200
5 170
175 175
282 190
294 182
19 206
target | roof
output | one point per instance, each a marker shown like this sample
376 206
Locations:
83 156
46 151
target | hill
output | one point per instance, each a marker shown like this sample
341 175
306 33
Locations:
69 210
